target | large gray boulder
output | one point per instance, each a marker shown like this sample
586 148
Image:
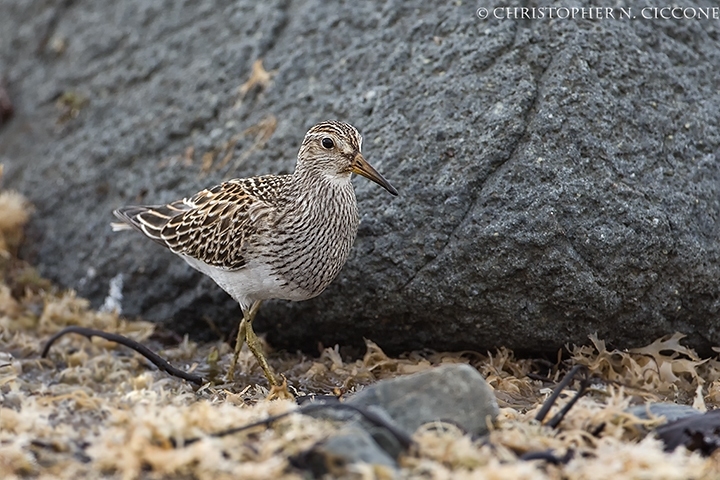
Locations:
556 177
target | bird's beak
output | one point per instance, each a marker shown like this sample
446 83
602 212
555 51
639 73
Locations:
360 166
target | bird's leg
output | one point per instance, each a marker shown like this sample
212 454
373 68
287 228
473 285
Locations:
239 340
253 344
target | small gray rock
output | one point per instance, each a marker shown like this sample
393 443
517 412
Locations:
384 435
456 394
390 436
671 411
350 445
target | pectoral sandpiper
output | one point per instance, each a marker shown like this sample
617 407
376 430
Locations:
274 236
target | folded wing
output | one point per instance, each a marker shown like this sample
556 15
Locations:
213 226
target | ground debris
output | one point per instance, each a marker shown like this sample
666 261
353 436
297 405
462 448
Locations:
95 409
697 433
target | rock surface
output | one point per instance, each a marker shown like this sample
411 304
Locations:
556 177
349 446
456 394
671 411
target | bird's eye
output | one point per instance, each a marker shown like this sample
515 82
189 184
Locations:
328 143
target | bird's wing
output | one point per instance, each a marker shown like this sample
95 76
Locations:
212 226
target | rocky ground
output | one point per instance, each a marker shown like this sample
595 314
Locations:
94 409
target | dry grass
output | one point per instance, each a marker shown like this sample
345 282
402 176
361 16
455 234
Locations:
95 409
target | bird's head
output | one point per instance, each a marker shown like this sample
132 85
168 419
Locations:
332 149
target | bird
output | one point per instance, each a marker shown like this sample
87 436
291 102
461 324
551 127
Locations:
272 236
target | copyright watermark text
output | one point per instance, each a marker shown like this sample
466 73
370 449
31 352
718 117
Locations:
599 13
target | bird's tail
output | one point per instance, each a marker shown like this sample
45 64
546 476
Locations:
149 220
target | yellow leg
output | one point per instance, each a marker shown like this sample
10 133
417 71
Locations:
239 340
246 333
253 344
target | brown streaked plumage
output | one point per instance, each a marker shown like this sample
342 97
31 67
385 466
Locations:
274 236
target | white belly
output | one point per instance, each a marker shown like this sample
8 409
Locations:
256 281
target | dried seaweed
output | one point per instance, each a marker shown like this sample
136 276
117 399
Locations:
312 407
698 432
156 359
556 394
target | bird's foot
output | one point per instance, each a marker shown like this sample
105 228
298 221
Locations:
280 392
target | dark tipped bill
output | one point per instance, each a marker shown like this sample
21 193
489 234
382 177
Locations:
362 167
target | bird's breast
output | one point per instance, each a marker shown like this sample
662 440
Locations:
311 240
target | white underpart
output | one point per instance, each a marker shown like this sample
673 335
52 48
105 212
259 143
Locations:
253 282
